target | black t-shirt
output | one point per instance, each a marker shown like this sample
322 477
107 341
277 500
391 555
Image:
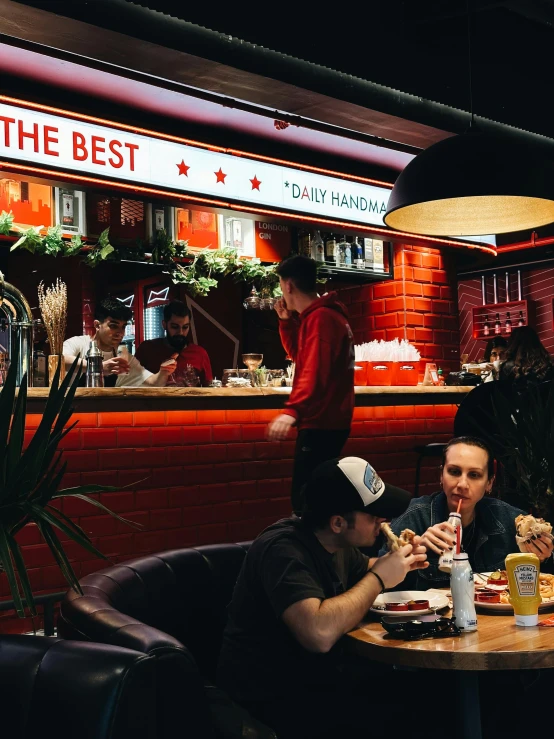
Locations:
260 658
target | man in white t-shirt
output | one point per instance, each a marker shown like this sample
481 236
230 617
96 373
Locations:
110 318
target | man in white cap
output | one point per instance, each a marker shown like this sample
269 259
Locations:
303 585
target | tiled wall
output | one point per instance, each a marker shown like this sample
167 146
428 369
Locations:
202 477
537 286
211 476
420 304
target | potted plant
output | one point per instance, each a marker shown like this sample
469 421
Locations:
30 479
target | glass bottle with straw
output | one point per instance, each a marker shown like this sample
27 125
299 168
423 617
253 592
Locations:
446 558
462 587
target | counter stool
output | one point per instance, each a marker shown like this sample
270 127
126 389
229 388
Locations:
424 452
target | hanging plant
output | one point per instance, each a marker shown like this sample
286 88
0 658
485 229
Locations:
210 265
74 247
165 251
199 275
100 251
31 240
6 223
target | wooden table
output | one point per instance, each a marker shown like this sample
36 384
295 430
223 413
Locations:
498 644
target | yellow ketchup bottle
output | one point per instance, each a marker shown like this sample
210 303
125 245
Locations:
523 582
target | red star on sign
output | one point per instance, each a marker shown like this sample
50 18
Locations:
220 176
256 183
183 169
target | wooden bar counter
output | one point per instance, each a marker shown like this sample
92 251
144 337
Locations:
195 467
198 398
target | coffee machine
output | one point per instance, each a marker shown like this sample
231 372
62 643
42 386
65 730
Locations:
16 329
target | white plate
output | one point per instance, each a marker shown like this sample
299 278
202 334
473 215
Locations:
504 607
436 601
481 578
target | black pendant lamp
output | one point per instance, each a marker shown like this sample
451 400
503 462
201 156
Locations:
472 184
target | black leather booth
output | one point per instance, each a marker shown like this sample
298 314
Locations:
51 687
171 606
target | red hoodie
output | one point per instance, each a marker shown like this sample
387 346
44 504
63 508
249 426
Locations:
320 343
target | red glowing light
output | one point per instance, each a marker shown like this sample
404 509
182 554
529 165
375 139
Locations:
190 142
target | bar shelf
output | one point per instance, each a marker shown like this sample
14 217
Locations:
480 314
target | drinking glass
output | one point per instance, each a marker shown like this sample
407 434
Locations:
53 361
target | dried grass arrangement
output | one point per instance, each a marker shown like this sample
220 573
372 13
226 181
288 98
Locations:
53 307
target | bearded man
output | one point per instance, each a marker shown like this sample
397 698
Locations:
176 324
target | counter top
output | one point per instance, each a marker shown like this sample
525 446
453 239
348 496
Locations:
206 398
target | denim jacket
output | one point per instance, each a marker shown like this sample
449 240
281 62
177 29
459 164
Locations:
494 528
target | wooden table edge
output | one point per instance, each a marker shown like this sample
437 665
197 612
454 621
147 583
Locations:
355 642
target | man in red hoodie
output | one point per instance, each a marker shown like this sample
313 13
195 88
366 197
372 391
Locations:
315 334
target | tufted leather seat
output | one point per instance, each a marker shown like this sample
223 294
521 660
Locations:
79 691
171 606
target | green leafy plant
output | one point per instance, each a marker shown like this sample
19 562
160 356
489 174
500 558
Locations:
100 251
209 265
50 244
74 246
165 251
30 480
521 436
6 222
31 239
264 278
53 243
199 272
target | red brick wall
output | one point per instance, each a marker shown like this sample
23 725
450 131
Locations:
211 476
202 477
420 305
537 286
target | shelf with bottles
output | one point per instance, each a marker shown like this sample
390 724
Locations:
500 319
350 256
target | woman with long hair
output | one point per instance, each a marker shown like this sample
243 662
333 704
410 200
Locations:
526 358
488 524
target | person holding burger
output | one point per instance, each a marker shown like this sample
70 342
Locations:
304 584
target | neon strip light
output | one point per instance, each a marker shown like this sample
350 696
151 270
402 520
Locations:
247 209
158 295
370 229
128 301
189 142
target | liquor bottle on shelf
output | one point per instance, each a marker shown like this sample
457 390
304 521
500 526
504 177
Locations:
486 327
521 321
348 254
304 244
378 256
358 254
318 248
368 253
508 324
497 325
330 249
341 253
40 373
